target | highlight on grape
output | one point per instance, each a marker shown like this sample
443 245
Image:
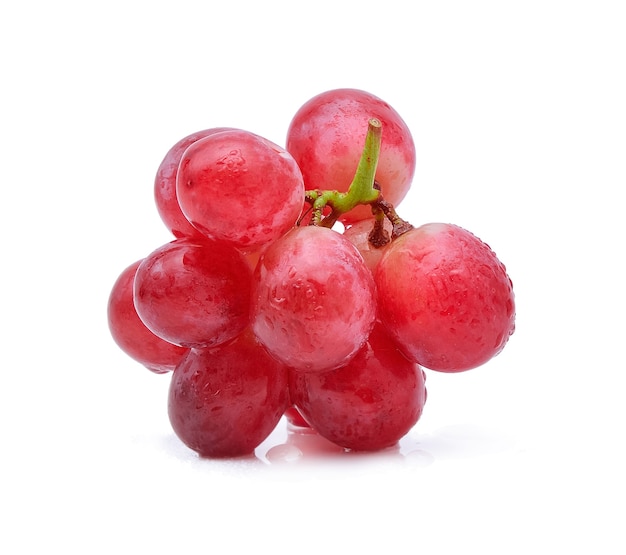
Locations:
260 308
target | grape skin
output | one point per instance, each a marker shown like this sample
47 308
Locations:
313 299
223 402
445 297
194 294
326 137
131 334
358 234
367 405
165 196
237 187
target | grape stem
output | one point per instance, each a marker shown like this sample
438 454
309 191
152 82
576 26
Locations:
399 226
362 191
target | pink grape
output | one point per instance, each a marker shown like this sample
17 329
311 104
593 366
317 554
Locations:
225 401
165 185
358 234
326 137
367 405
259 311
313 299
237 187
131 334
194 293
445 297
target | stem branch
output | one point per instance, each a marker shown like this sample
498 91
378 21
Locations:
362 189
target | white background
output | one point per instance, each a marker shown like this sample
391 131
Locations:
518 114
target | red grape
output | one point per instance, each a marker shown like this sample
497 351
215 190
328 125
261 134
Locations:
445 297
224 401
326 137
194 293
260 308
131 334
358 234
165 185
241 188
313 299
367 405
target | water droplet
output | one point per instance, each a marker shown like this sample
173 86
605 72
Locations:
284 453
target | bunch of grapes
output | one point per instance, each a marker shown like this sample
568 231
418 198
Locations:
264 306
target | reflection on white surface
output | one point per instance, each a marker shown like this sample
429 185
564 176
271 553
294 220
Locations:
305 445
290 446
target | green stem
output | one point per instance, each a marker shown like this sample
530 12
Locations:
361 190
